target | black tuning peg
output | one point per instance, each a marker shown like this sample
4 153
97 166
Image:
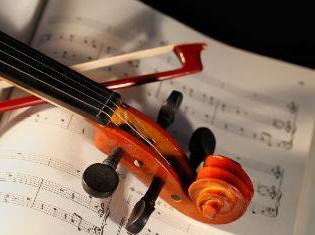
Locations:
202 143
169 108
101 179
144 208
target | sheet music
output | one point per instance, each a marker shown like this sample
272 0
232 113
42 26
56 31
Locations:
259 109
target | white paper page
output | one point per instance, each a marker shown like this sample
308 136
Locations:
18 18
259 109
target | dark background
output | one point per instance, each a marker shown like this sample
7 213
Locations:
284 32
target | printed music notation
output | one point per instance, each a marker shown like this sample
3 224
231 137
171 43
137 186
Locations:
267 180
268 193
93 50
244 121
38 190
77 208
284 128
54 117
207 98
73 219
84 200
74 47
213 111
47 161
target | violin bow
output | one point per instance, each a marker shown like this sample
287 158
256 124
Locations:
189 56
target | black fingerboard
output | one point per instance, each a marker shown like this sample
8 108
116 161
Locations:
58 84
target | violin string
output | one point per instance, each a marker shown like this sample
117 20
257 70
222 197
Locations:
143 137
97 87
101 111
65 84
48 84
100 89
104 105
60 81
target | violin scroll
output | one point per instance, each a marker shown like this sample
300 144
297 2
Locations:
222 190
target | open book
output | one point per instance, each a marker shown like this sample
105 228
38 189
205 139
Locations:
261 111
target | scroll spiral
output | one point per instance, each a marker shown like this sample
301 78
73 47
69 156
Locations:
222 190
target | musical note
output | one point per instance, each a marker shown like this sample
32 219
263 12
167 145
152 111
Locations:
42 160
101 211
56 117
134 63
238 91
277 172
252 123
72 218
267 180
264 190
76 219
285 125
67 193
16 199
266 137
293 108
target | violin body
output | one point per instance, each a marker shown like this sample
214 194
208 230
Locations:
219 194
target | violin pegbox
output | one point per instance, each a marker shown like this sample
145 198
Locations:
222 189
218 192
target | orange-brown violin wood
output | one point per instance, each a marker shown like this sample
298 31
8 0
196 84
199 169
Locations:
168 161
222 190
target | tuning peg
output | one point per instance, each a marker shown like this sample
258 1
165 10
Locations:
202 143
169 108
101 179
144 208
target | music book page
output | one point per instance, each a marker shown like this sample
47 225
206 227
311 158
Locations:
260 110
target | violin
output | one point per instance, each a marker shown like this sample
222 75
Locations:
217 192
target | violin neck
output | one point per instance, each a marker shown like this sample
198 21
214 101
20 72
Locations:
42 76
